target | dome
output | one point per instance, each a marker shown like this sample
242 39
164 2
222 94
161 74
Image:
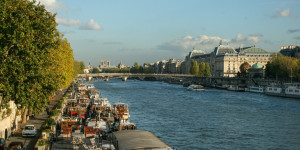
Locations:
257 66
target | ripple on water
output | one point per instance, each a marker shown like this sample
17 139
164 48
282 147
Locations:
214 119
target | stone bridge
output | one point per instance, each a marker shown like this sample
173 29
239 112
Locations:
134 75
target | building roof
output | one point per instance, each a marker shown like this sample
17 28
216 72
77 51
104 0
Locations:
194 53
224 49
257 66
139 139
254 50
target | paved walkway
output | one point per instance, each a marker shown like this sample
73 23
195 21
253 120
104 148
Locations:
38 121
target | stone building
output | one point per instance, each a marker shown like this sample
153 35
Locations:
225 61
8 118
104 64
291 51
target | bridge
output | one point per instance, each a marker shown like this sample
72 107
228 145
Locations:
124 76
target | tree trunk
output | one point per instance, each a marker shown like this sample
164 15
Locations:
24 118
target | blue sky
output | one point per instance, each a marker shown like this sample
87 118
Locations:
152 30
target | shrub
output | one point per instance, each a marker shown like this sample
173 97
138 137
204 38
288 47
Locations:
54 112
50 121
42 143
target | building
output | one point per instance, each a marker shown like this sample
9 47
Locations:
291 51
121 65
104 64
160 66
225 61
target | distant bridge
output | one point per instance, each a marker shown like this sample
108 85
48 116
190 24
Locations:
112 75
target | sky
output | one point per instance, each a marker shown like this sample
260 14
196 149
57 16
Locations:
146 31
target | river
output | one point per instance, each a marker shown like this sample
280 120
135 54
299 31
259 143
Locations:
213 119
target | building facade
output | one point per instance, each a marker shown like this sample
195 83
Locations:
225 61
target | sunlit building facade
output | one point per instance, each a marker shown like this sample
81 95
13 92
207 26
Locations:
225 61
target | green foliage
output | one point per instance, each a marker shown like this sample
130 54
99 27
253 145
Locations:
136 68
27 35
95 70
283 67
117 70
244 68
194 67
54 112
59 104
46 127
50 121
207 70
149 70
201 69
42 143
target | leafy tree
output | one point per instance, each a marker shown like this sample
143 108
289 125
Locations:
194 67
148 70
124 70
201 69
283 67
82 66
95 70
244 68
135 68
207 70
34 59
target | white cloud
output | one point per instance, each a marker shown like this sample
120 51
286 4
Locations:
251 38
70 22
91 25
52 5
283 13
208 43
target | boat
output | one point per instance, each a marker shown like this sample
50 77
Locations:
292 90
274 91
256 89
194 87
235 88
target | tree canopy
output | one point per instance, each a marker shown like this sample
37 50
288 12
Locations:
283 67
244 68
194 67
35 59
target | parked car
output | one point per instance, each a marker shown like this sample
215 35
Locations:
2 143
16 146
29 130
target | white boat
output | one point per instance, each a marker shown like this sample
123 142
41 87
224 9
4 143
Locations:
256 89
235 88
101 125
273 90
292 90
194 87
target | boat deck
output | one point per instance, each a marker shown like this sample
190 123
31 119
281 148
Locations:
138 139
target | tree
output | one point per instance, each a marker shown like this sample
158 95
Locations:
201 69
148 70
244 68
283 67
194 67
135 68
35 60
95 70
207 70
27 35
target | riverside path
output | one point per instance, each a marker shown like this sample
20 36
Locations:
37 121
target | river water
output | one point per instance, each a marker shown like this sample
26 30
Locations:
214 119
